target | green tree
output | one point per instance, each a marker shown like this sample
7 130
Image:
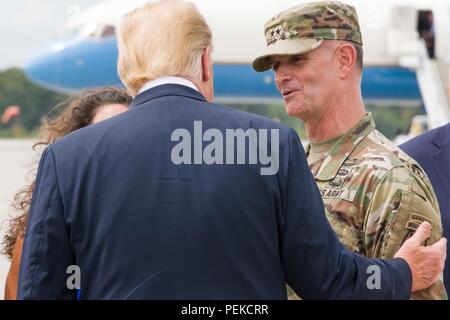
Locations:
35 102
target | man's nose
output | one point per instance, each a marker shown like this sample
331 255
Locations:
282 74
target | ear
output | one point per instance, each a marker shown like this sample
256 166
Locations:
345 59
206 64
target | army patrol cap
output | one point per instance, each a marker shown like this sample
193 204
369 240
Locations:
303 28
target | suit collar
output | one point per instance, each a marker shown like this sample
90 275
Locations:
441 158
441 162
441 137
166 90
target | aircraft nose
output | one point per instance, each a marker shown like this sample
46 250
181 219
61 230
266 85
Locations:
73 66
45 69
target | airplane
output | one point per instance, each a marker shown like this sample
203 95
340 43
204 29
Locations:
400 67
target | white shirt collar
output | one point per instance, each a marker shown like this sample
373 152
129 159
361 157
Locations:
167 80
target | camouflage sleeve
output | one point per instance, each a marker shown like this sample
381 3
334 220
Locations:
400 203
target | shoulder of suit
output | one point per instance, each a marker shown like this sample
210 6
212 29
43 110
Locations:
421 144
443 134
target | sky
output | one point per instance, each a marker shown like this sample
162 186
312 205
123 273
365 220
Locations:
27 26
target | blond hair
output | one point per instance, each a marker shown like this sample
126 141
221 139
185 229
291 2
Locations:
166 38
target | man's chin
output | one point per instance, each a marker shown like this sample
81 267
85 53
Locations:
294 112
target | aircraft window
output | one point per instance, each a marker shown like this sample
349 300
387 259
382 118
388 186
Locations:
425 27
108 30
92 34
95 31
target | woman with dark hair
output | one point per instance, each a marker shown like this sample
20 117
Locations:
88 108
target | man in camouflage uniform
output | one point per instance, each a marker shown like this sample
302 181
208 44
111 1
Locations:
375 196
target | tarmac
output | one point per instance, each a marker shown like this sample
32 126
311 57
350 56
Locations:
16 161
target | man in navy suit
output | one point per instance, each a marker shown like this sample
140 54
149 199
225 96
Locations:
180 198
432 151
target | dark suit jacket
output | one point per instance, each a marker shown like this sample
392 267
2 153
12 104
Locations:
110 200
432 151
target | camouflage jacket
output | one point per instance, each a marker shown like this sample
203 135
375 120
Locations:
375 196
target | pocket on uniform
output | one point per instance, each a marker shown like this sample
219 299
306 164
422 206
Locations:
349 235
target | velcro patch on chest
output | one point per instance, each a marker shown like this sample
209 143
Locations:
343 194
343 172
